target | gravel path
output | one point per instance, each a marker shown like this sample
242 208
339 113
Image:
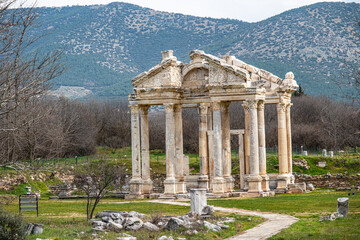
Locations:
274 223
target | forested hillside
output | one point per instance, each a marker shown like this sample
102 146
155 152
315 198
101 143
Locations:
107 45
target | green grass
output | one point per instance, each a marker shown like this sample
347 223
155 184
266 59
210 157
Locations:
308 208
66 219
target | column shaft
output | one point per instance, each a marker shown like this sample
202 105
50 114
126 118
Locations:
145 158
170 188
218 183
226 142
179 152
135 182
288 137
262 146
282 139
203 150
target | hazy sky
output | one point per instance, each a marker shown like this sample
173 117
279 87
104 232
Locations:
246 10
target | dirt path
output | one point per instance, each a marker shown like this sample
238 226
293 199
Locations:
274 223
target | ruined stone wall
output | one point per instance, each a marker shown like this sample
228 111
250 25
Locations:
330 181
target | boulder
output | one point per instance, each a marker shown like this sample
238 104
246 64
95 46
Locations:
174 223
115 227
208 210
211 227
151 227
133 223
37 229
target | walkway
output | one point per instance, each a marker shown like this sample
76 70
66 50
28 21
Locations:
274 223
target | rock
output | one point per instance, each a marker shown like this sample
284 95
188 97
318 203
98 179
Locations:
343 206
165 238
98 223
208 210
115 227
37 229
106 219
223 226
228 220
133 223
115 216
136 214
191 232
98 229
151 227
310 187
125 236
29 228
174 223
211 227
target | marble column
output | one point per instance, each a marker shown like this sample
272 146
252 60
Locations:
289 145
170 181
136 181
226 142
254 178
203 150
179 151
283 176
241 161
262 147
246 144
145 157
218 182
210 139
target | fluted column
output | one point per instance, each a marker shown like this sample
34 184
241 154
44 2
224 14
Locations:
288 138
254 178
262 146
179 152
210 142
145 157
203 148
226 143
246 144
170 182
218 182
282 147
135 182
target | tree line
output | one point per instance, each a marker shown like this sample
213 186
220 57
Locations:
53 128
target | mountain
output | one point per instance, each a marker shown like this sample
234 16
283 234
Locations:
105 46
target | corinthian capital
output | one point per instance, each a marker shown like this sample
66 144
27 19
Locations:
252 104
169 107
134 109
281 107
261 105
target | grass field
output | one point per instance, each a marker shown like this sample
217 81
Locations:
67 219
308 207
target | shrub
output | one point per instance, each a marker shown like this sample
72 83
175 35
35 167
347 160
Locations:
12 226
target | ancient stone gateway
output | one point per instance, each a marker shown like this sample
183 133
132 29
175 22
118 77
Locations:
210 84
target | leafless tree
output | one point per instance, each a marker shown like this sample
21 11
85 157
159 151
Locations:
95 179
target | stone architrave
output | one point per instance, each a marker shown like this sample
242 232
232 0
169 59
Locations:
218 181
170 181
136 181
203 146
145 157
343 206
197 200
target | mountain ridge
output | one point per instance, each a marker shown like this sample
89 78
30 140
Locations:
107 45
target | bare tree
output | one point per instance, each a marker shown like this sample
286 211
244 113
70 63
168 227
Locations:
95 179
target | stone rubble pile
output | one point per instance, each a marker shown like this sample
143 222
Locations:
301 163
117 221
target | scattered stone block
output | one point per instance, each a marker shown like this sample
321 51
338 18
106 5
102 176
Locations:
37 229
331 154
174 223
115 227
310 187
324 154
321 164
198 200
212 227
165 238
125 236
151 227
343 206
208 210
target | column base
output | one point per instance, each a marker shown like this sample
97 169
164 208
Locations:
255 184
147 186
282 181
136 186
170 187
180 186
203 182
218 185
246 183
229 184
265 183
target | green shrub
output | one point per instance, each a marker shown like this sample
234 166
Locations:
12 226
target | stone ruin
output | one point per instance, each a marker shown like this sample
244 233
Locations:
210 84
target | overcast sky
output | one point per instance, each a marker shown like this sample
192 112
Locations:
246 10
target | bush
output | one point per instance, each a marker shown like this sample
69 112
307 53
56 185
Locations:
12 226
